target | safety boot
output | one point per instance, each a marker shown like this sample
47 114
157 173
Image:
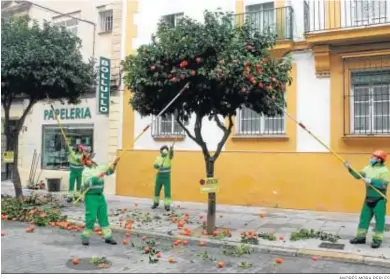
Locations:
85 242
167 208
376 243
155 205
358 240
110 241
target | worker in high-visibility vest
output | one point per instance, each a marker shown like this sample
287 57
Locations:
377 175
95 202
163 177
75 172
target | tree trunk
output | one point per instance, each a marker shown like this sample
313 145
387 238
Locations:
12 138
16 176
212 198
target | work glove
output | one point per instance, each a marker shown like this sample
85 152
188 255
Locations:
367 180
347 165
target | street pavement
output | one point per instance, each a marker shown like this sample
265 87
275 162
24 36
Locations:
48 250
238 219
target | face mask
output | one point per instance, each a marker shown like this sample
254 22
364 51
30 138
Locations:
372 161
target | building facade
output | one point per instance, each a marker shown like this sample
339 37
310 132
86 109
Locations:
340 91
99 24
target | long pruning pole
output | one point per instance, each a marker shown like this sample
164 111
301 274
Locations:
60 126
324 145
140 134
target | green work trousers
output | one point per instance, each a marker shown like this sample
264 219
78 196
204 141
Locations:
75 178
163 180
378 210
96 208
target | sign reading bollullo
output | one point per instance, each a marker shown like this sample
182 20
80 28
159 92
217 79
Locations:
104 85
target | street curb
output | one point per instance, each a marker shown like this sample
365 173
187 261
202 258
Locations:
274 250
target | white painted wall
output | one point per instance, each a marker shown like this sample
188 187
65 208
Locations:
88 11
313 104
146 20
32 138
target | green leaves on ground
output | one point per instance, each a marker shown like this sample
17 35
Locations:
36 209
307 234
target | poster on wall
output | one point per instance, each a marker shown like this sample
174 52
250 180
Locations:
103 90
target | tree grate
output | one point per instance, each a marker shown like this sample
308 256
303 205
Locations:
335 246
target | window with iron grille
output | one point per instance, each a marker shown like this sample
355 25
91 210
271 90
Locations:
370 102
368 12
167 126
106 19
262 16
172 19
252 123
70 24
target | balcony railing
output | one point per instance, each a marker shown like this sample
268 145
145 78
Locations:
278 21
322 15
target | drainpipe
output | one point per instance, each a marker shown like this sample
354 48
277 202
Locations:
82 20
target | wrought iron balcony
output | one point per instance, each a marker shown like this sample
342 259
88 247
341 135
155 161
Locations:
278 21
323 15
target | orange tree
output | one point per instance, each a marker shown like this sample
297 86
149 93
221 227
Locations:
227 66
38 61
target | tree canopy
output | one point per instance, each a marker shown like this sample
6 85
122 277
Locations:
39 61
228 66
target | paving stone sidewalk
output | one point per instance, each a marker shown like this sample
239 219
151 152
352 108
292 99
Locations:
238 219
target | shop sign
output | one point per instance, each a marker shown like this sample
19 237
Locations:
210 185
67 113
8 157
104 86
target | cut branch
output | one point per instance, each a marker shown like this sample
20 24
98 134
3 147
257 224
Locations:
226 132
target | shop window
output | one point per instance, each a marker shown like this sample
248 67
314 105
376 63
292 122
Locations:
106 20
54 149
370 102
252 123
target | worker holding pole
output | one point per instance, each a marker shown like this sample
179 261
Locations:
378 175
95 202
75 171
163 177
